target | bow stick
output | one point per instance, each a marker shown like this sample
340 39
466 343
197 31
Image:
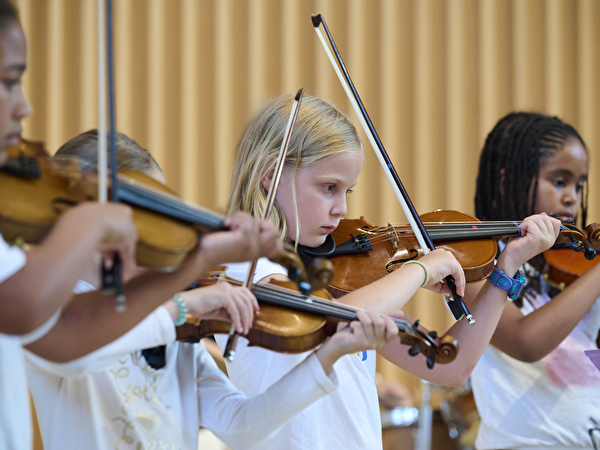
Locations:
455 302
111 278
229 352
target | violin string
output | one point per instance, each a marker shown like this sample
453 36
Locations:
443 232
284 297
280 295
169 202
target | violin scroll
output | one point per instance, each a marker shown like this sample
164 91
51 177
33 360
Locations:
437 350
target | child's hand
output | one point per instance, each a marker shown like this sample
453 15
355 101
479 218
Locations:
441 263
248 238
116 231
221 301
370 331
538 234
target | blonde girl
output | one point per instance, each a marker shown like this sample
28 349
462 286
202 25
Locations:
323 164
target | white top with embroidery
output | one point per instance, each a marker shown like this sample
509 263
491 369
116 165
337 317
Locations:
15 417
546 404
112 399
347 419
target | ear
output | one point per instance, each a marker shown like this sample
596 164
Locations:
502 182
267 180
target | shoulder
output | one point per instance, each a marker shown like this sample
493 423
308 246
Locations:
264 268
12 259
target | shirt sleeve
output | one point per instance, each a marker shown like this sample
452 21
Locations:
156 329
41 331
243 422
12 259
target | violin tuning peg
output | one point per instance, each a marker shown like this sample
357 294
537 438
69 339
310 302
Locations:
430 362
589 253
305 287
433 334
416 324
578 246
554 216
414 350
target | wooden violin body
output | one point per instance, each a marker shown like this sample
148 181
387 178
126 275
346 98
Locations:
565 266
30 206
394 245
288 322
365 253
274 328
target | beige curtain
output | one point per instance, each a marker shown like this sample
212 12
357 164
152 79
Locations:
435 75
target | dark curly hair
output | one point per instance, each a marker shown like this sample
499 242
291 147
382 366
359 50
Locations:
513 152
8 13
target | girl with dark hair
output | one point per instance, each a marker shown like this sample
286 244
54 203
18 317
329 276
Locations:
534 386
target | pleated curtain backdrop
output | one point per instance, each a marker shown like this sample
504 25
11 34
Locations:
435 76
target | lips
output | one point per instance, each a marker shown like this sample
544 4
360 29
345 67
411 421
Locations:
329 229
565 217
13 138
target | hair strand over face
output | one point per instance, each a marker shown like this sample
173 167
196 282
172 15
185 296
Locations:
321 130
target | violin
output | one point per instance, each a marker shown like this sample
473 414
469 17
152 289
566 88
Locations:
290 322
37 189
565 266
365 253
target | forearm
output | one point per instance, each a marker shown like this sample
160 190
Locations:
46 281
390 293
90 321
243 422
535 335
486 303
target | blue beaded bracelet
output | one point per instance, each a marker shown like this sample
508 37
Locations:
182 309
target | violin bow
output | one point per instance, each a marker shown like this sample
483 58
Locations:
229 352
455 302
111 278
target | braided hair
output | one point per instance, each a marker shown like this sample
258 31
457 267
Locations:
8 14
512 155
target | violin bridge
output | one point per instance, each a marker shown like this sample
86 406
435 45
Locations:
393 237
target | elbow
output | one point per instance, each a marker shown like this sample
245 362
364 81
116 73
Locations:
21 324
451 378
460 379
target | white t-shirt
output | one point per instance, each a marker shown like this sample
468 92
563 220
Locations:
15 417
111 398
347 419
546 404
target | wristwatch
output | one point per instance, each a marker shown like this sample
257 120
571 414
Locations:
513 286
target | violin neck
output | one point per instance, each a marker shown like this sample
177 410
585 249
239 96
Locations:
474 230
138 194
312 305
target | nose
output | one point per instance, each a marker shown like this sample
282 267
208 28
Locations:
22 106
340 207
570 195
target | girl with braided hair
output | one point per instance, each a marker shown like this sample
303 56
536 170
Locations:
534 386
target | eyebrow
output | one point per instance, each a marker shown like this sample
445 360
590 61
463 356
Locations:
332 179
18 67
566 172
